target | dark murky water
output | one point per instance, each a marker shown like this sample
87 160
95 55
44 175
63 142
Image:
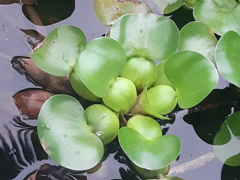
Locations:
20 151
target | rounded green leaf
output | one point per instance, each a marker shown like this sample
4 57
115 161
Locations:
146 35
60 50
197 36
80 88
149 153
223 136
146 126
220 15
228 57
168 6
193 76
233 160
65 135
108 11
100 63
227 141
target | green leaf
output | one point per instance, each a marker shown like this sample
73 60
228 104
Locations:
65 135
100 63
220 15
233 161
146 35
227 149
191 3
193 76
168 6
149 153
60 50
161 76
228 57
145 125
223 136
80 88
198 37
108 11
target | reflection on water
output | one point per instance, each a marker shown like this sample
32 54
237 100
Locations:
21 154
49 12
193 164
207 117
19 148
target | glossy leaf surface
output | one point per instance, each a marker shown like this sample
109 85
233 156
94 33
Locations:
80 88
60 50
196 36
168 6
145 125
220 15
100 63
227 141
193 76
191 3
146 35
65 135
161 76
228 57
149 153
108 11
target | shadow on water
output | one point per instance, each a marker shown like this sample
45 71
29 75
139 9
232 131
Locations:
22 28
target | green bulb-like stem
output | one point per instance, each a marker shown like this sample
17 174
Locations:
103 122
151 174
142 72
162 98
121 96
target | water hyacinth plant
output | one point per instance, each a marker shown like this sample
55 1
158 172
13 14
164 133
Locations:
94 76
119 73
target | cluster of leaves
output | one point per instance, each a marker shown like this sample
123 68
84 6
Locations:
219 17
120 74
227 138
95 72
